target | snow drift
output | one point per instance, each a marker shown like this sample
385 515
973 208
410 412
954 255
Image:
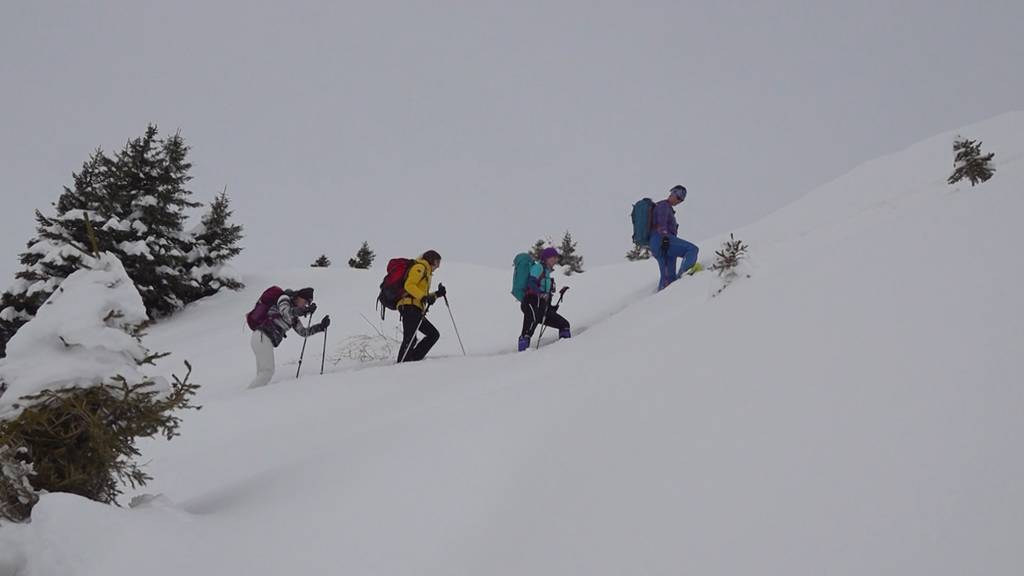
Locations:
854 407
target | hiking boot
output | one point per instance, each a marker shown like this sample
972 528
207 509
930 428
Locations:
524 343
564 334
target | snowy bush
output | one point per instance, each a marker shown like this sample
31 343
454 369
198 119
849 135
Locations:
73 397
17 497
322 262
968 162
728 261
639 252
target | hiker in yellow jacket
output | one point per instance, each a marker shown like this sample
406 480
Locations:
413 308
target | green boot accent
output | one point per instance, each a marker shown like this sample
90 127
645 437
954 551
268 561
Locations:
698 267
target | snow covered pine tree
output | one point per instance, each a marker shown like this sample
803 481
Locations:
214 243
136 203
72 426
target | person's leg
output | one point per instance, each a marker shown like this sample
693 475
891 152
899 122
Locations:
410 318
263 349
557 321
430 337
665 276
682 249
530 321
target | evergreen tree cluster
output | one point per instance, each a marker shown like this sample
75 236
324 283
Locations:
364 258
970 163
132 204
322 262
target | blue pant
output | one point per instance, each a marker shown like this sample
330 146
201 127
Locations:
677 248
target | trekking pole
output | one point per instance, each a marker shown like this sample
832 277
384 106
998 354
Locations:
544 321
454 325
304 338
323 357
413 339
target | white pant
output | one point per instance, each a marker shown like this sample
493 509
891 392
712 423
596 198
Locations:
263 348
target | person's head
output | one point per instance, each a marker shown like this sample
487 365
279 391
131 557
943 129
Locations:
549 256
677 194
302 297
432 258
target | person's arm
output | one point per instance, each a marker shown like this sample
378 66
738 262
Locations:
533 280
291 317
412 283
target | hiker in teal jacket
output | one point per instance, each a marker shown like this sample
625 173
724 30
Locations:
537 307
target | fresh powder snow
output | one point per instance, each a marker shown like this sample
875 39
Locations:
850 404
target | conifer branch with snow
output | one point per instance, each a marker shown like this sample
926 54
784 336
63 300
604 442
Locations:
970 163
73 397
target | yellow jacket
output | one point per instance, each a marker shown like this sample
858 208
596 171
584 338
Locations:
417 284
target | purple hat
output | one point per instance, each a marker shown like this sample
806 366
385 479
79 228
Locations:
548 253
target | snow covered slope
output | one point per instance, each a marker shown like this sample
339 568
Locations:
854 407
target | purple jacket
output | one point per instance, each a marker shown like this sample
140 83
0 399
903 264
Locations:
664 219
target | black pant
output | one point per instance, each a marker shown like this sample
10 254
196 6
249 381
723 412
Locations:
533 314
411 317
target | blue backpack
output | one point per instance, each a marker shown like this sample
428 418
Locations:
642 216
521 274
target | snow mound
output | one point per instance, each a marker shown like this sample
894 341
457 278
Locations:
80 337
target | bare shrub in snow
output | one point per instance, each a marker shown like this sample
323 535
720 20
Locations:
73 397
363 348
728 260
970 163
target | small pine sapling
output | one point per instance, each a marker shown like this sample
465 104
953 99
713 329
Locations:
728 260
970 163
364 258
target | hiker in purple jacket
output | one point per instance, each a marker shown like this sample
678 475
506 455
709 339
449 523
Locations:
665 244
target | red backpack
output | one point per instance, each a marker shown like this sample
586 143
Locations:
392 289
258 315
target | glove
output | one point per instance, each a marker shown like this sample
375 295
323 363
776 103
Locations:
325 323
665 243
545 297
441 291
310 309
430 299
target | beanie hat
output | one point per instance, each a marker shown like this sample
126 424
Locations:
548 252
679 191
305 294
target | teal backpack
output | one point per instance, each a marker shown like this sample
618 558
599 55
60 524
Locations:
521 274
641 216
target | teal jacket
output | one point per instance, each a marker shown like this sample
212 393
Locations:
540 281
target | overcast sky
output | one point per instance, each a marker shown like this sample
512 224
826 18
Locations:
474 127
